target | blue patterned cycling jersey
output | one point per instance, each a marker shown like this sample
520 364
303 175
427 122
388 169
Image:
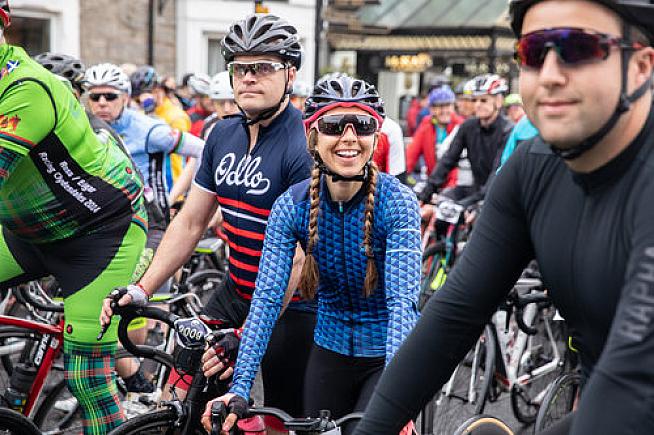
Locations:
348 322
148 141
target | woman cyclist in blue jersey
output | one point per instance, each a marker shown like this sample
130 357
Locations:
360 230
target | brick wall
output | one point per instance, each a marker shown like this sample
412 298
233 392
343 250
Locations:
116 31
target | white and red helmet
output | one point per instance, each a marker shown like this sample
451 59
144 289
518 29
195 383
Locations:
488 84
5 13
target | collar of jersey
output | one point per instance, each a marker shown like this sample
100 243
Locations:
123 121
347 205
279 120
500 120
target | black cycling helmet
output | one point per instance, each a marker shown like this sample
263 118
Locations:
637 13
346 91
263 34
340 90
63 65
144 79
5 13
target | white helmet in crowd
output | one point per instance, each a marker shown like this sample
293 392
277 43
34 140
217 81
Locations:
220 88
488 84
301 89
107 74
200 84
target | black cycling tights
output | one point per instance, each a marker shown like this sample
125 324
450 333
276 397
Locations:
285 362
339 383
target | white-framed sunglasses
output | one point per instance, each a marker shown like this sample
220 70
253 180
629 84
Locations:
257 68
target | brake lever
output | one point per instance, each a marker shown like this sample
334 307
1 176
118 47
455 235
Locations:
106 326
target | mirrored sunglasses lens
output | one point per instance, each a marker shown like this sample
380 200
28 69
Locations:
334 125
572 45
330 125
365 125
580 47
264 68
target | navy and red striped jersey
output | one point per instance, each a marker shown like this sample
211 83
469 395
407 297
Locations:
246 184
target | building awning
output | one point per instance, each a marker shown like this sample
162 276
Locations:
424 25
407 14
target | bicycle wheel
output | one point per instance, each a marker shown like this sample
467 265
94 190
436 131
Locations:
559 400
204 282
160 423
541 364
14 423
483 424
466 392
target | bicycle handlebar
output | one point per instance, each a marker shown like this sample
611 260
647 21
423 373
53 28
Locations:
300 425
128 313
521 301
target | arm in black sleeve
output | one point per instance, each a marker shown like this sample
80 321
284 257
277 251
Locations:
619 396
446 163
453 319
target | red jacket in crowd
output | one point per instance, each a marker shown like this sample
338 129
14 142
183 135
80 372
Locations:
197 115
424 142
412 115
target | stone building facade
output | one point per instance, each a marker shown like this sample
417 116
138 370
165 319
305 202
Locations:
117 31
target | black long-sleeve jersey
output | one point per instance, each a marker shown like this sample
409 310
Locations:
483 146
593 237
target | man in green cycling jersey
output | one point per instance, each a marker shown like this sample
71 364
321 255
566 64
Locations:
71 206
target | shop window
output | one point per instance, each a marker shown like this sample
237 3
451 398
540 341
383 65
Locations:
33 34
216 62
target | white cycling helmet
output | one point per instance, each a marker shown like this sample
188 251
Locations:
488 84
107 74
220 88
200 84
301 89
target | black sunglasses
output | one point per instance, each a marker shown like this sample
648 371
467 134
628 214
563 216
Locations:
109 96
573 46
335 125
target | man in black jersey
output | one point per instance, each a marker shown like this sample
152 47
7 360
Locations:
479 141
578 199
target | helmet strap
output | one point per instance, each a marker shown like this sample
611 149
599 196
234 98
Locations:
624 104
324 169
270 112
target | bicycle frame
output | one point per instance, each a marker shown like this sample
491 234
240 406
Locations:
49 347
516 351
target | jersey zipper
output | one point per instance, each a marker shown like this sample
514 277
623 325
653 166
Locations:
345 274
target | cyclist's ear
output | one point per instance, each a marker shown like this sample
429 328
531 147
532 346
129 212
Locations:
292 76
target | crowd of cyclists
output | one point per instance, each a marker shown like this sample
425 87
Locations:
314 191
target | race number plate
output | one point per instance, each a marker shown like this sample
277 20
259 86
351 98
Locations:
190 333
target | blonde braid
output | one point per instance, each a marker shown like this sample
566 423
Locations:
370 282
310 275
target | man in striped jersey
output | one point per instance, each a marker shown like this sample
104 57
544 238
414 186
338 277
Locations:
248 162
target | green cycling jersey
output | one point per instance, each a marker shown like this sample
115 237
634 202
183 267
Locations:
62 181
